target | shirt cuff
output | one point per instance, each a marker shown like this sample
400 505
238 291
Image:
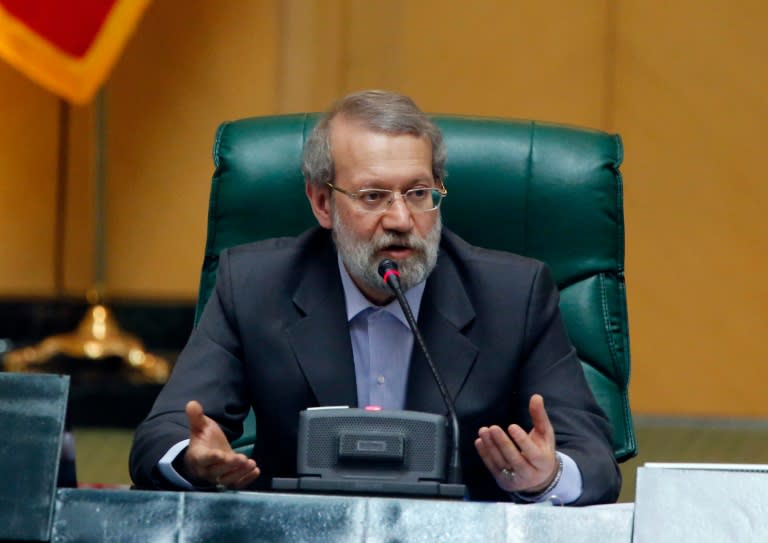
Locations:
166 469
567 490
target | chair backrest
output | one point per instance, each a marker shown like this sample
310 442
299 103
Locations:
546 191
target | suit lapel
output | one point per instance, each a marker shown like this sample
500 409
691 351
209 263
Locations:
320 338
321 342
445 312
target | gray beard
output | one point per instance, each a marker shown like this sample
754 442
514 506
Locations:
362 263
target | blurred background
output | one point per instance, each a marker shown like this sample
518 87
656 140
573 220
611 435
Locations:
684 83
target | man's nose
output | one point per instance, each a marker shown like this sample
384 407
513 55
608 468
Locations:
397 216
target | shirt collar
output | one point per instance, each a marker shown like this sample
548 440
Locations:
357 302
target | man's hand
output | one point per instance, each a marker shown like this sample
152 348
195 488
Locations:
520 461
209 457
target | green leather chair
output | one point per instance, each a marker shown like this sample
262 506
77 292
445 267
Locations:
557 197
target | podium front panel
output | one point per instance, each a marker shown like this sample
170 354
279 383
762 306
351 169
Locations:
32 410
125 516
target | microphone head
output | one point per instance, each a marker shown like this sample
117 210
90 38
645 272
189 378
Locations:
388 271
387 265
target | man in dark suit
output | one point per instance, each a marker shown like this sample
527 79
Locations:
301 322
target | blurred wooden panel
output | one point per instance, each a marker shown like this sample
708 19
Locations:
509 58
691 105
374 47
28 162
310 58
185 71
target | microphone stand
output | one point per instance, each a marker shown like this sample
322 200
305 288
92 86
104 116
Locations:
389 272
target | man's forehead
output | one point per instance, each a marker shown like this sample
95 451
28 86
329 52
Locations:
342 124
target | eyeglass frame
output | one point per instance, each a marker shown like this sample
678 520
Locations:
355 195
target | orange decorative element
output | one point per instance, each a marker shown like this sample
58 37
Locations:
68 47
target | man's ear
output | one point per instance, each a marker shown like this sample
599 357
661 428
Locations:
320 200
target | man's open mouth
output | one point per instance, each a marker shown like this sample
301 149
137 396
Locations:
397 251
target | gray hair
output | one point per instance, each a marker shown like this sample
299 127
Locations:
380 111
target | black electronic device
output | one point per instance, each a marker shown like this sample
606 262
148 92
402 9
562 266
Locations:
359 451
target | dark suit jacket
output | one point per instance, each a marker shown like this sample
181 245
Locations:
274 337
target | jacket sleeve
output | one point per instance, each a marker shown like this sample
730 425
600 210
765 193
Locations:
209 370
551 368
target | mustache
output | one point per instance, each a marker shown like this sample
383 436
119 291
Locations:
410 241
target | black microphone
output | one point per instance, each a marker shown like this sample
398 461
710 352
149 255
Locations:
389 272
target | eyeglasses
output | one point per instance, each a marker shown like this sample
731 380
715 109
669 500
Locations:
417 200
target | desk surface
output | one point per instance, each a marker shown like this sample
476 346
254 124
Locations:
128 516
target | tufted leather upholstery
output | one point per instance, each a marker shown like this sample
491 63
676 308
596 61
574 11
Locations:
542 190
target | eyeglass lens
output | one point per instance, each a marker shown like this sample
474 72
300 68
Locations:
416 199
